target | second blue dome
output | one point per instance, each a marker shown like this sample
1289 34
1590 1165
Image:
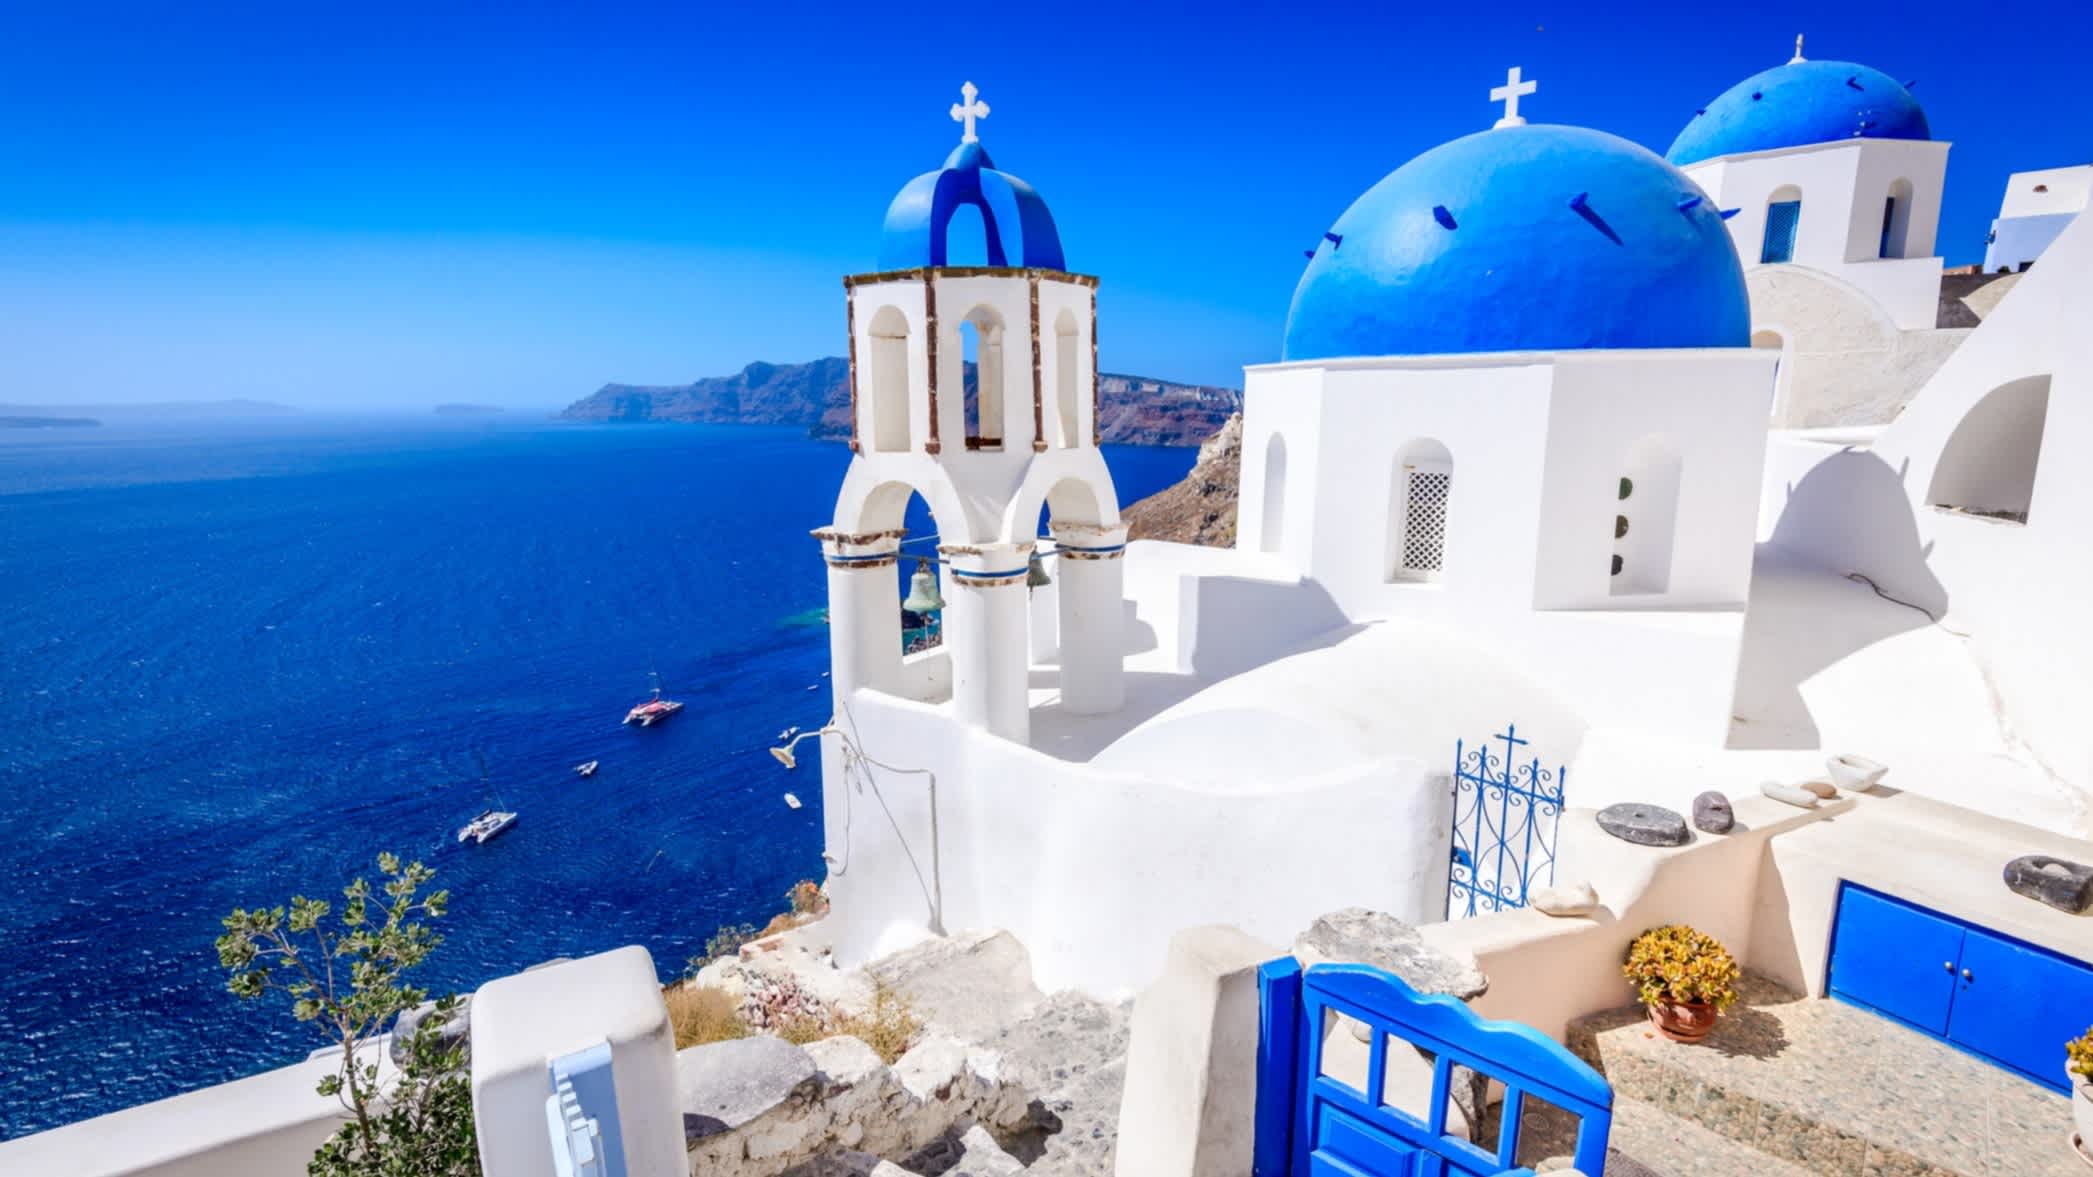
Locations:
1528 238
1801 103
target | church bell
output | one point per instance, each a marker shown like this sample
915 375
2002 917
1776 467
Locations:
922 591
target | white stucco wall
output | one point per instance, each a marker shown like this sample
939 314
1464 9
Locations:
1843 187
2012 586
1843 358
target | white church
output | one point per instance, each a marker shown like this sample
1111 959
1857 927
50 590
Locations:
1661 460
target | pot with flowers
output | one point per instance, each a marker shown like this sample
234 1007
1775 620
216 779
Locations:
1686 979
2078 1068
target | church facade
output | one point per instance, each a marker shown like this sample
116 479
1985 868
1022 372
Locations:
1520 458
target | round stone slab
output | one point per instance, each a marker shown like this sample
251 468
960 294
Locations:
1644 824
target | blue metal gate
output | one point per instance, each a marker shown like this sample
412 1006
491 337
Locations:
1309 1124
1504 825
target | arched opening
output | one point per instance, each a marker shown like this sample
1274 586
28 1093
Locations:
1896 219
1783 224
889 384
981 353
966 237
1420 490
898 648
1988 465
1771 340
1065 381
1646 518
1272 528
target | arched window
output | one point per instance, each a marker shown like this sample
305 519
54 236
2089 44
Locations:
981 350
1272 533
1646 518
1419 492
888 410
1066 409
1896 220
1783 222
1988 465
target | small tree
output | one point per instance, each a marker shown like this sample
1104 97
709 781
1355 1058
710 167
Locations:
350 980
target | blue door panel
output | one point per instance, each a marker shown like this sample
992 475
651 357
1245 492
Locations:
1895 959
2019 1005
1359 1146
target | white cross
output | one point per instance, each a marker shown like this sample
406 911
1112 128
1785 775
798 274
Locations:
968 111
1509 94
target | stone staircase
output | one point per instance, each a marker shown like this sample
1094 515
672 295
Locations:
1788 1085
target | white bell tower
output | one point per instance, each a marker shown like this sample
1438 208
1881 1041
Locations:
986 455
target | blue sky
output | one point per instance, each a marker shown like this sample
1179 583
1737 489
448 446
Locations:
387 206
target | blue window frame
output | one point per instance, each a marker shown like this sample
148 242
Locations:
1783 217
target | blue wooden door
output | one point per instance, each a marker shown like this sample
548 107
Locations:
2018 1005
1895 959
1312 1125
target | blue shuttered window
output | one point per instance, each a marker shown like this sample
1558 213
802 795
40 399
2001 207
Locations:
1783 217
1889 218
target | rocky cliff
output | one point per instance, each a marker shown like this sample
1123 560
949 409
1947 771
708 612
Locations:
1201 509
1134 410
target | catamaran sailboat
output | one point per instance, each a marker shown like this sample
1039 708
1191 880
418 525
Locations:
489 824
654 710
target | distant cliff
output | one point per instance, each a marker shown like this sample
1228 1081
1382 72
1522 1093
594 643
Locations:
1202 508
1136 410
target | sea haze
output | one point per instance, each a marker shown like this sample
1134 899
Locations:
238 661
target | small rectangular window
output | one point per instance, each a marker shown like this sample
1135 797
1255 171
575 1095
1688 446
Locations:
1889 218
1783 218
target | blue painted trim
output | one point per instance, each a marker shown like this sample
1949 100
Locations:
1278 1030
861 559
1061 547
963 576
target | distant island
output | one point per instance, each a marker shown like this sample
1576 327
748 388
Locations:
42 415
1134 410
464 410
46 422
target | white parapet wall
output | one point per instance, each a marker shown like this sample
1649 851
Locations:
265 1125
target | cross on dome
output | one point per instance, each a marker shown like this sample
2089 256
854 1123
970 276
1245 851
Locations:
1509 94
1798 51
966 112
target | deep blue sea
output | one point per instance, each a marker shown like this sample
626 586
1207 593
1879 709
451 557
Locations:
239 661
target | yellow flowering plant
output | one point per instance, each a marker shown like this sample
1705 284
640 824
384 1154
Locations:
2079 1052
1675 963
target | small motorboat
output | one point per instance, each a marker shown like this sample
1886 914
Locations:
585 770
490 824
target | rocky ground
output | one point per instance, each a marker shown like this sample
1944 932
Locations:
1200 509
1002 1079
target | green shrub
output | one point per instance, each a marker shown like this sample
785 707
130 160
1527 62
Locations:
350 979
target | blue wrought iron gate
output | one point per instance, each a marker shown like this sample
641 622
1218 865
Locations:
1504 825
1309 1124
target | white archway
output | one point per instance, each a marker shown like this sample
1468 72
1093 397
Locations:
1066 408
1420 493
888 368
1988 465
1272 525
981 344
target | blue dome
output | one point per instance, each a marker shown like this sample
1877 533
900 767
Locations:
1529 238
1801 103
1014 218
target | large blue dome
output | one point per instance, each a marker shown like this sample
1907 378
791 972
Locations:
1528 238
1019 230
1801 103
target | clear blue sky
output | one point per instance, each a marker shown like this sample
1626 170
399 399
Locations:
385 205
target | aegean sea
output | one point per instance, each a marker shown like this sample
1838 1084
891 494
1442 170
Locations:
239 660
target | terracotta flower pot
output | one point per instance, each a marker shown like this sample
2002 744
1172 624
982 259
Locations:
1683 1021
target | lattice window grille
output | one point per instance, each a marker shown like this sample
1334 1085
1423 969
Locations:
1424 521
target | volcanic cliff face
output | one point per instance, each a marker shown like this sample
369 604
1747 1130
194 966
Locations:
1201 509
1134 410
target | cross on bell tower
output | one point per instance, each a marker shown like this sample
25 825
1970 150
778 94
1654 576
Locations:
966 112
1509 94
